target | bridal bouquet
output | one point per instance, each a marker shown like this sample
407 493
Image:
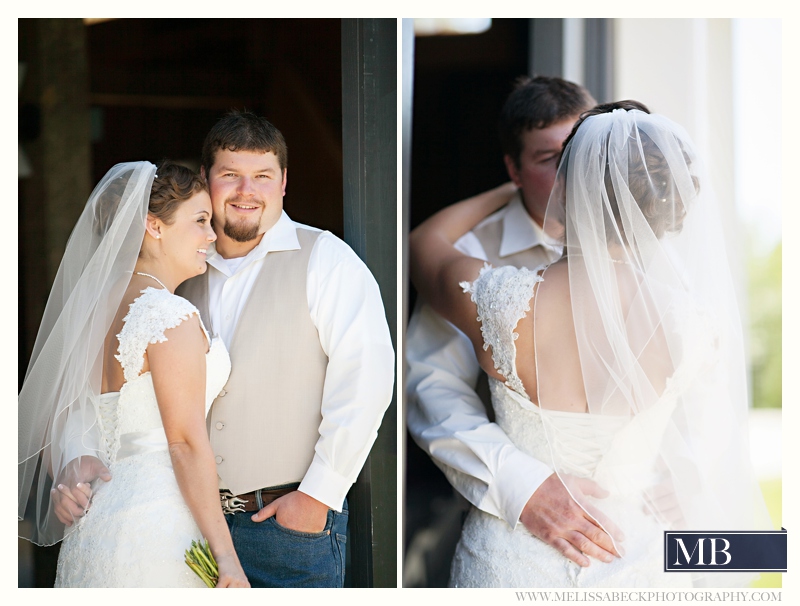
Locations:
200 560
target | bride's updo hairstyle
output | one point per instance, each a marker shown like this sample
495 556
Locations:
172 185
649 182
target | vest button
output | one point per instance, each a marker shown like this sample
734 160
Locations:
220 425
222 393
218 459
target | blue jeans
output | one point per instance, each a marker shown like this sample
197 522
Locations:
275 556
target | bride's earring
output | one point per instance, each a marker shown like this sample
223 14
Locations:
152 227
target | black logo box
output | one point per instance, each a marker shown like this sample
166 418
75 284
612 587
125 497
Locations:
734 551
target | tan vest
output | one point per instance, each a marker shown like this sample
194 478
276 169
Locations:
265 422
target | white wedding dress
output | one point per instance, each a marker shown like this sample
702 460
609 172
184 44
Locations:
492 554
138 526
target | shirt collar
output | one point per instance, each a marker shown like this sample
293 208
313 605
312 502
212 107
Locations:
520 231
281 236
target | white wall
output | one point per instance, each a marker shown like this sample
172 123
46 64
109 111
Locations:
683 69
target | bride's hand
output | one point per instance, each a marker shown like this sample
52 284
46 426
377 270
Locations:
72 494
455 220
230 571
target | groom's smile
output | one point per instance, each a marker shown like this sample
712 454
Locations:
244 207
240 206
243 219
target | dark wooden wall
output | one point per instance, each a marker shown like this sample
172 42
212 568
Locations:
158 85
459 86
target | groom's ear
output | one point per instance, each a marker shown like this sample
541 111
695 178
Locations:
283 185
203 174
513 170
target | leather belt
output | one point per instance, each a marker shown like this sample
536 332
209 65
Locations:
248 502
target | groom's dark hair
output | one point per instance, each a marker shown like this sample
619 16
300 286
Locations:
538 102
243 131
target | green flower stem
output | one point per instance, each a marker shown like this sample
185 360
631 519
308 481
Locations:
200 559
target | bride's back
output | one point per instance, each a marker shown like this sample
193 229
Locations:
113 376
547 348
548 359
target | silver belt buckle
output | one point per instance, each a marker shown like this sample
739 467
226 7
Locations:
230 503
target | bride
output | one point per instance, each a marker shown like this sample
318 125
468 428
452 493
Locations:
121 376
620 365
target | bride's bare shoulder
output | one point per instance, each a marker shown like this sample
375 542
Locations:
555 279
557 269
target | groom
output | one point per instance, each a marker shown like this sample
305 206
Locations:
445 415
312 365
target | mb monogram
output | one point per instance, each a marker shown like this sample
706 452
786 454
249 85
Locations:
725 551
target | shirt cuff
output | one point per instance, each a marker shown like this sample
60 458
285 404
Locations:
513 485
325 485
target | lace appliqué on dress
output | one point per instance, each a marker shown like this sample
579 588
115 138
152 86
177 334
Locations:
150 315
503 296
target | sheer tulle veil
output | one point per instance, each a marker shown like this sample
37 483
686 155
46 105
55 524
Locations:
657 330
60 409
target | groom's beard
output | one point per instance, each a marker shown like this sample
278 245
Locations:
243 229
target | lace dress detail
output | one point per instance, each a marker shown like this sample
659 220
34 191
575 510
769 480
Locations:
503 298
154 312
492 554
138 526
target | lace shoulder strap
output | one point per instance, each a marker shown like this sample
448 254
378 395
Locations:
503 296
150 315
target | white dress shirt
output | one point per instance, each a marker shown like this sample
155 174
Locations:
445 416
345 305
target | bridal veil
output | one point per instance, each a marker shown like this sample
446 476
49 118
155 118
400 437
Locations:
60 407
657 332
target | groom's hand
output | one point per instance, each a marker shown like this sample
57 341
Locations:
553 516
296 511
662 501
72 493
